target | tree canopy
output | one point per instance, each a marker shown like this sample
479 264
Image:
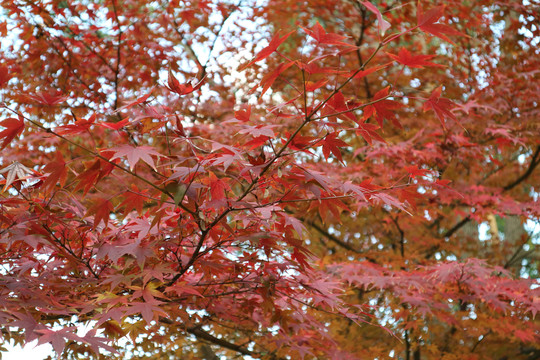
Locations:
271 180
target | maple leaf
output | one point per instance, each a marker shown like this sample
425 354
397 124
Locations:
443 182
133 200
269 78
331 144
413 61
428 22
101 210
139 101
411 196
243 114
14 127
94 171
56 173
259 130
148 309
348 187
312 86
314 68
296 224
441 106
382 24
218 187
227 158
4 75
391 201
149 292
28 323
181 89
337 104
363 73
267 51
56 338
318 33
299 142
49 98
382 109
80 125
135 250
181 288
367 131
415 172
15 171
329 208
114 126
98 342
134 154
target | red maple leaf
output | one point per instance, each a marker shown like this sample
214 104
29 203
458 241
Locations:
428 22
140 100
148 309
441 106
383 109
269 78
181 89
243 114
114 126
4 75
57 173
367 131
312 86
101 210
80 125
134 154
57 338
382 24
411 196
415 172
267 51
49 98
218 187
338 104
299 142
414 61
331 144
13 127
133 200
318 33
363 73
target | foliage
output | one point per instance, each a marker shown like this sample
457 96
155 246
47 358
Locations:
281 179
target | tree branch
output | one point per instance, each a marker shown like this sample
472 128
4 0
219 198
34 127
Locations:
118 56
201 334
532 166
534 163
